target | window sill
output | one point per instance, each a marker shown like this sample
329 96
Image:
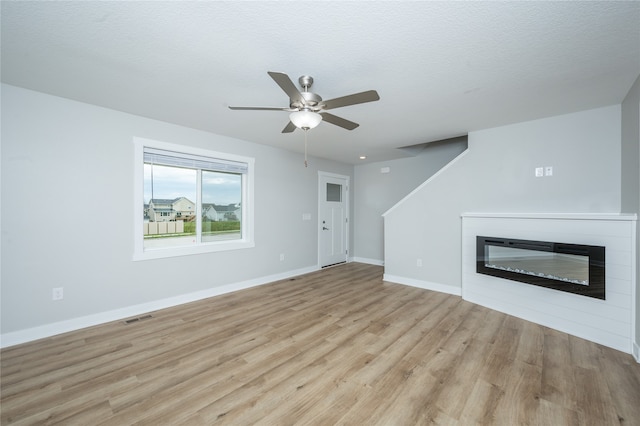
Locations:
161 253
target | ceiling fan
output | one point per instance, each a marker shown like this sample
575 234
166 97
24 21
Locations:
308 109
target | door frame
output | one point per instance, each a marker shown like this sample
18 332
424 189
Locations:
347 201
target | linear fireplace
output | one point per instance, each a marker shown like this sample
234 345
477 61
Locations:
573 268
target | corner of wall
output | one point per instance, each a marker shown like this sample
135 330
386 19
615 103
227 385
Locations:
630 181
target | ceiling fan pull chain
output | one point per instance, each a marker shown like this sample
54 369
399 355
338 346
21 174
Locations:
305 148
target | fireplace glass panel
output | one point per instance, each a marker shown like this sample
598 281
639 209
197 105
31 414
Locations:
557 266
573 268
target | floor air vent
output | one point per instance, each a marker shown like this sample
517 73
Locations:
134 320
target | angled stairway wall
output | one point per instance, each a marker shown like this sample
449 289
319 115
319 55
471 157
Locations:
380 185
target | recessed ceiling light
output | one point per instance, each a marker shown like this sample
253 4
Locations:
363 157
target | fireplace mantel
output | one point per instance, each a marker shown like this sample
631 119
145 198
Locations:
610 322
563 216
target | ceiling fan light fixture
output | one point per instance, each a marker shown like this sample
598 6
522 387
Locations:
305 119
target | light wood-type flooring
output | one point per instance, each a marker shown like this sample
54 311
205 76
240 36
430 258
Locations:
337 346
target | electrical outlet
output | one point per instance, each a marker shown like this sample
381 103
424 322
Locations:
57 294
419 263
539 171
548 171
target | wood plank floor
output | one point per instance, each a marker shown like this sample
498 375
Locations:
337 346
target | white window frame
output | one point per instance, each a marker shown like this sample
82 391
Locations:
247 238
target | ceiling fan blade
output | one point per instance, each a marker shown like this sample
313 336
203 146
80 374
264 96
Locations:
356 98
289 128
259 108
338 121
287 85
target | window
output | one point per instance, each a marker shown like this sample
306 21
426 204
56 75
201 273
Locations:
190 201
334 192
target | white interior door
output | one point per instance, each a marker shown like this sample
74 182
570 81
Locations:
333 224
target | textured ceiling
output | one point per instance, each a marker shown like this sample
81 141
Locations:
442 69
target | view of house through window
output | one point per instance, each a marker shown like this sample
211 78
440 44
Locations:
221 206
190 200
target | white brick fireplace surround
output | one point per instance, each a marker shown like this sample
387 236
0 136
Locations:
610 322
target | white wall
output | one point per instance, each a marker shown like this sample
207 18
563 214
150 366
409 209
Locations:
631 177
64 161
375 192
496 174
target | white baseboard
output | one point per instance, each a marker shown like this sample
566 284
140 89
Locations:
368 261
635 351
442 288
48 330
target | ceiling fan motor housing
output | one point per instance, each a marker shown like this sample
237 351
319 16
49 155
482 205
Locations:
310 99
